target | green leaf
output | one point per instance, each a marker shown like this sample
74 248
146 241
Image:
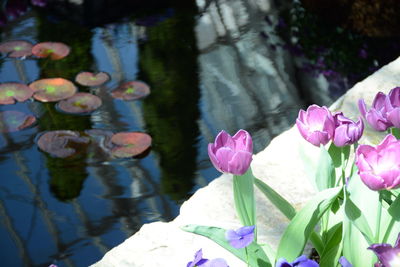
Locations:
302 225
336 154
243 194
257 256
330 255
277 200
353 213
325 176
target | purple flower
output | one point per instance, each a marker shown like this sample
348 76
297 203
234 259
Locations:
388 256
379 167
377 115
218 262
362 53
231 154
316 125
198 259
344 262
40 3
347 132
301 261
392 105
241 237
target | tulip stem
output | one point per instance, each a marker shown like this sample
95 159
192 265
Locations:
247 257
378 219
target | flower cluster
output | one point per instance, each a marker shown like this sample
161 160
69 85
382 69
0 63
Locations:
319 126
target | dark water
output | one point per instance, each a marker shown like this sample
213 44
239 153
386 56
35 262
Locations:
205 75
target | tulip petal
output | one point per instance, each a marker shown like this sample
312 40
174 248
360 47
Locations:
394 117
224 155
213 158
240 162
243 141
372 181
362 107
223 139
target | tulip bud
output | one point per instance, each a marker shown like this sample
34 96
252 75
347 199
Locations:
231 154
376 116
316 125
347 132
379 167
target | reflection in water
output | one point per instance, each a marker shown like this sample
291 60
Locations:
168 60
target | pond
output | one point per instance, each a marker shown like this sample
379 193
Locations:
210 66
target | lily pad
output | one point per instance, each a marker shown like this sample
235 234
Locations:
131 90
54 50
80 103
12 121
16 48
129 144
91 79
52 89
11 92
63 143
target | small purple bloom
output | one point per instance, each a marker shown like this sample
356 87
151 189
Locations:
347 132
40 3
301 261
241 237
362 53
231 154
379 167
316 125
218 262
344 262
377 115
198 259
388 256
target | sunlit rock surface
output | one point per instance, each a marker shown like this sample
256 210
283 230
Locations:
280 165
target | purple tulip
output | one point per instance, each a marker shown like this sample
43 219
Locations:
316 125
379 168
347 132
241 237
198 259
377 115
388 256
231 154
392 105
301 261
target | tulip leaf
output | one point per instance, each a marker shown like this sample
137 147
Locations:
336 154
256 254
243 194
325 176
302 225
331 253
282 204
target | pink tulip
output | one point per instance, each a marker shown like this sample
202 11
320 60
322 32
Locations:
377 116
231 154
379 167
347 132
316 125
393 107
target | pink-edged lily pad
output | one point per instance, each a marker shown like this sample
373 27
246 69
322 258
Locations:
129 144
80 103
54 50
52 89
12 121
12 92
16 48
63 143
131 90
92 79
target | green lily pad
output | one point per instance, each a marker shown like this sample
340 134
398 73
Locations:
91 79
12 92
52 89
54 50
12 121
80 103
63 143
129 144
16 48
131 90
